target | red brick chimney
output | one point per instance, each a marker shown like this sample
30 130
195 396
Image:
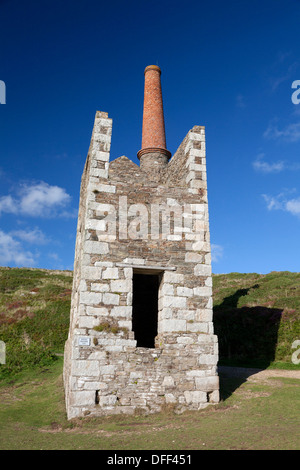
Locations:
153 155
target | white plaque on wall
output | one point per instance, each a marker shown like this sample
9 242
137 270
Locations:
84 341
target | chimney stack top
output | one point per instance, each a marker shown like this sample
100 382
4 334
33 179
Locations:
153 133
152 67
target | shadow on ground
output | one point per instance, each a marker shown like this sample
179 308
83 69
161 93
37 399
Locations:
247 338
231 378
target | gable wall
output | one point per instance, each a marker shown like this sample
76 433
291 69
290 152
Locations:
112 375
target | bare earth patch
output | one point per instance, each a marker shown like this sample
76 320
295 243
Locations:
258 374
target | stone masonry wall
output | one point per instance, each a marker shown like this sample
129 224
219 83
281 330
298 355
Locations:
119 234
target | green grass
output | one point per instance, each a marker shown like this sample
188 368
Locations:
34 316
251 415
256 318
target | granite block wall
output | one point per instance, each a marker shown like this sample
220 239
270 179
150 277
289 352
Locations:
130 224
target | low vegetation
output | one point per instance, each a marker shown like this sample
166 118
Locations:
110 327
252 415
34 316
256 318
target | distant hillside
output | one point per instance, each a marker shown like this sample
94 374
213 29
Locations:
256 317
34 315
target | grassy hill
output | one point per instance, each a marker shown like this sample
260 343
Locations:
256 317
34 316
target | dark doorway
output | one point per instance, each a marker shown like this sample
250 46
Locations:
145 309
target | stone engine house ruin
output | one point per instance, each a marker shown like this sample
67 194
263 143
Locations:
141 329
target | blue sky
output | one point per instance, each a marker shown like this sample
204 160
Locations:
226 65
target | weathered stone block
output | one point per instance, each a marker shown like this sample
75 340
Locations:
203 315
202 270
203 291
103 156
121 285
214 397
111 299
208 359
121 311
97 311
106 188
171 325
86 368
197 327
90 298
91 272
94 247
207 384
167 289
97 287
82 398
170 398
107 400
173 278
110 273
184 291
195 397
86 322
168 381
174 301
194 258
107 370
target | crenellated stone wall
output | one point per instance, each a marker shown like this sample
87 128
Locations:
129 223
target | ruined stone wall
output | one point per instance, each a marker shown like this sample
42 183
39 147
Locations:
118 234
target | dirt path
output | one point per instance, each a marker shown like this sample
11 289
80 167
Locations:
258 374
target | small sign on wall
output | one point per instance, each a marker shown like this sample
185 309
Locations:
84 341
